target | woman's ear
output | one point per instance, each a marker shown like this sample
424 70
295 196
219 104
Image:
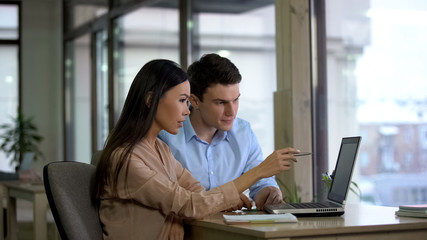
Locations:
148 99
194 100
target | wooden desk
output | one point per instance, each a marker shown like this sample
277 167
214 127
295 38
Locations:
33 192
359 222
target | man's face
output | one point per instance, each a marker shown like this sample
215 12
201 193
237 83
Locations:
219 107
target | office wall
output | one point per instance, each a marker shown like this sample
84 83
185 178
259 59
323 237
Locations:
42 73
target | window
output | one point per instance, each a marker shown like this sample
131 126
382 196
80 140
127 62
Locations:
9 21
376 87
9 67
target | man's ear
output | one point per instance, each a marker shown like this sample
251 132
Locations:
194 100
148 99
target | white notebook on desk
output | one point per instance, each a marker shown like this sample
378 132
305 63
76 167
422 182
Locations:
260 218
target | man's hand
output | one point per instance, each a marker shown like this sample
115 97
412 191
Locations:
268 195
244 202
278 161
177 230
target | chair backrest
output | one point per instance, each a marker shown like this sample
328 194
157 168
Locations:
95 157
69 187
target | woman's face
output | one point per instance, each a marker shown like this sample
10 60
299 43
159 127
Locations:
172 108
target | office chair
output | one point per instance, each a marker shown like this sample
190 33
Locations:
95 157
69 187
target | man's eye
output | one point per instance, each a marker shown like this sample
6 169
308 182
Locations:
183 100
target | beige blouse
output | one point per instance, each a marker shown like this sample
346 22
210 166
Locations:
158 190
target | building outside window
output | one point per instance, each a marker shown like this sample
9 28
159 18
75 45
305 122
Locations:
377 88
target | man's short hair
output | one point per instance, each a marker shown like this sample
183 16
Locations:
209 70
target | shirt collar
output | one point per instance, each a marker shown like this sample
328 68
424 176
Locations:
219 136
190 133
188 129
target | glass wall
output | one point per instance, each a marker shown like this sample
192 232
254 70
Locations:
9 70
252 50
78 92
144 30
145 33
79 13
140 36
102 105
377 89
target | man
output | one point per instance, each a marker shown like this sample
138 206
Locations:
214 145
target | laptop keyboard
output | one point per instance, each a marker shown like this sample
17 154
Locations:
308 205
301 205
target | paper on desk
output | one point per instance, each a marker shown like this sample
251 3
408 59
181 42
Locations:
260 218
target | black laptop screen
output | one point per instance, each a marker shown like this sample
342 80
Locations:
344 169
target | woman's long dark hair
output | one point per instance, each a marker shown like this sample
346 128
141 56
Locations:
153 80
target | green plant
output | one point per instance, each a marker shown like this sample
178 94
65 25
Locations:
327 179
291 196
20 137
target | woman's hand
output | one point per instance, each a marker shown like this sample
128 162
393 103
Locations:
244 202
177 230
280 160
268 195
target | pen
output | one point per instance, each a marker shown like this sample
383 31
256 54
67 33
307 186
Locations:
302 154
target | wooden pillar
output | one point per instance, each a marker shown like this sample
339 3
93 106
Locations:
292 100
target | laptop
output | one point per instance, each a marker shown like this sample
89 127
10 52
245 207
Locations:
334 205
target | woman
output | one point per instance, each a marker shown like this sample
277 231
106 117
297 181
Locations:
144 192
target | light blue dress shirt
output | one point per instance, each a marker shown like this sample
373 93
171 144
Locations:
230 154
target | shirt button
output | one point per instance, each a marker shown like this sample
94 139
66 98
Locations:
211 172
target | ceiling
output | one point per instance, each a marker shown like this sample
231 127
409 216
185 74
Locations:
212 6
